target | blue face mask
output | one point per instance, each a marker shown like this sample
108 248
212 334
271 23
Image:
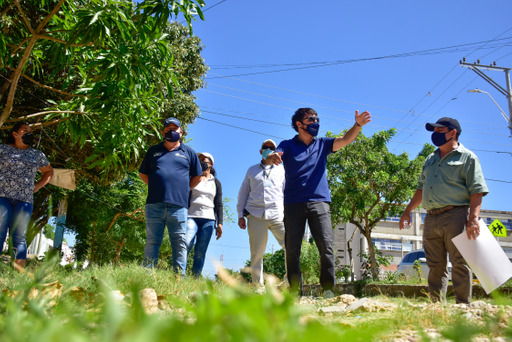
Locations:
265 153
172 136
313 128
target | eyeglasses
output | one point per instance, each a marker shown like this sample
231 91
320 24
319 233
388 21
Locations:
268 147
311 119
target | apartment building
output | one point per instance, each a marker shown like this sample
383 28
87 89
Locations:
395 242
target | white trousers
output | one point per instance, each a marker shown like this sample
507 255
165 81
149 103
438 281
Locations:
258 236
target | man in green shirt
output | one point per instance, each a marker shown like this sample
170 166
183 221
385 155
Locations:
451 187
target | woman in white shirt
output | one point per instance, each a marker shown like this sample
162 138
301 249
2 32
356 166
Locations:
205 213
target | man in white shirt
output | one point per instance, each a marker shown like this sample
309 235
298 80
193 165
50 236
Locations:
260 200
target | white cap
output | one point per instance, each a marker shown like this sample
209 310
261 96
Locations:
207 155
269 141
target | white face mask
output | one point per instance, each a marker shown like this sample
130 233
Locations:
265 153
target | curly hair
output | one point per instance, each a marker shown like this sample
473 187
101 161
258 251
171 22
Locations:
299 116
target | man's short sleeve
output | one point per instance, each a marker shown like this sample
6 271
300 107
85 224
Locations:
144 167
195 164
475 180
329 144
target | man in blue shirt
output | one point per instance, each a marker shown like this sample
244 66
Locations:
306 192
169 169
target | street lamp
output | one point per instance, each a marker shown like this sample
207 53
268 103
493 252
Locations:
501 110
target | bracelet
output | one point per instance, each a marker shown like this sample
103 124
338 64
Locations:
358 124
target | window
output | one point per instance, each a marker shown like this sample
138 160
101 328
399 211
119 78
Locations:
392 245
392 219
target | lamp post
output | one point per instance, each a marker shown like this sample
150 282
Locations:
507 118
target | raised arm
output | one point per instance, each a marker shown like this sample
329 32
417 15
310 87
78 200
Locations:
361 120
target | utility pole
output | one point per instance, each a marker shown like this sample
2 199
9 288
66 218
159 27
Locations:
476 67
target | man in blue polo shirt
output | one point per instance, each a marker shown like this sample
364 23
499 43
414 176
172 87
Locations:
306 192
169 169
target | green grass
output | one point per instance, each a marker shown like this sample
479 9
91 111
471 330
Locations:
51 303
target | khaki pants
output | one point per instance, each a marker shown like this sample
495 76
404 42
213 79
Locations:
258 236
438 232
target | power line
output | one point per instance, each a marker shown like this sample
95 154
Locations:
497 180
334 109
278 124
244 129
338 62
454 67
241 117
318 96
269 135
343 61
316 106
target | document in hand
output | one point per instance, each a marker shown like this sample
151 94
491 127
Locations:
485 257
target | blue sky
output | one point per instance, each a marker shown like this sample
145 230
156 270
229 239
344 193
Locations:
350 44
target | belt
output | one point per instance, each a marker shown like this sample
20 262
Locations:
440 210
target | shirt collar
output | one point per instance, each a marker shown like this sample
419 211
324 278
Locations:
165 148
460 149
298 141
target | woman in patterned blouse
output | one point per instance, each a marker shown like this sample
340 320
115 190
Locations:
19 164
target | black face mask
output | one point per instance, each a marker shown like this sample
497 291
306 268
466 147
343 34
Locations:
439 139
204 166
172 136
28 138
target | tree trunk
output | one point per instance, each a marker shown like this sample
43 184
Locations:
373 261
120 246
350 258
351 261
93 235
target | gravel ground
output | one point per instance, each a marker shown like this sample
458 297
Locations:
351 311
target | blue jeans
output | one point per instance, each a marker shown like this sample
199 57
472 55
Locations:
158 216
15 216
199 231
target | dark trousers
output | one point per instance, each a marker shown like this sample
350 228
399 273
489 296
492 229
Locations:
438 232
318 216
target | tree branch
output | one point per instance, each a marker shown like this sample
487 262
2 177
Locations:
6 9
131 215
47 87
14 82
43 36
38 124
20 45
49 16
43 113
24 17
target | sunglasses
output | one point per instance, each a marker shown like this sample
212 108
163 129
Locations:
268 147
311 119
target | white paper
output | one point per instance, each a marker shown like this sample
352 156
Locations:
485 257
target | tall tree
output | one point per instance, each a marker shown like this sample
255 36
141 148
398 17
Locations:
369 183
97 75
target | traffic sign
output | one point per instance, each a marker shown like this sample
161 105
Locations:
498 229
